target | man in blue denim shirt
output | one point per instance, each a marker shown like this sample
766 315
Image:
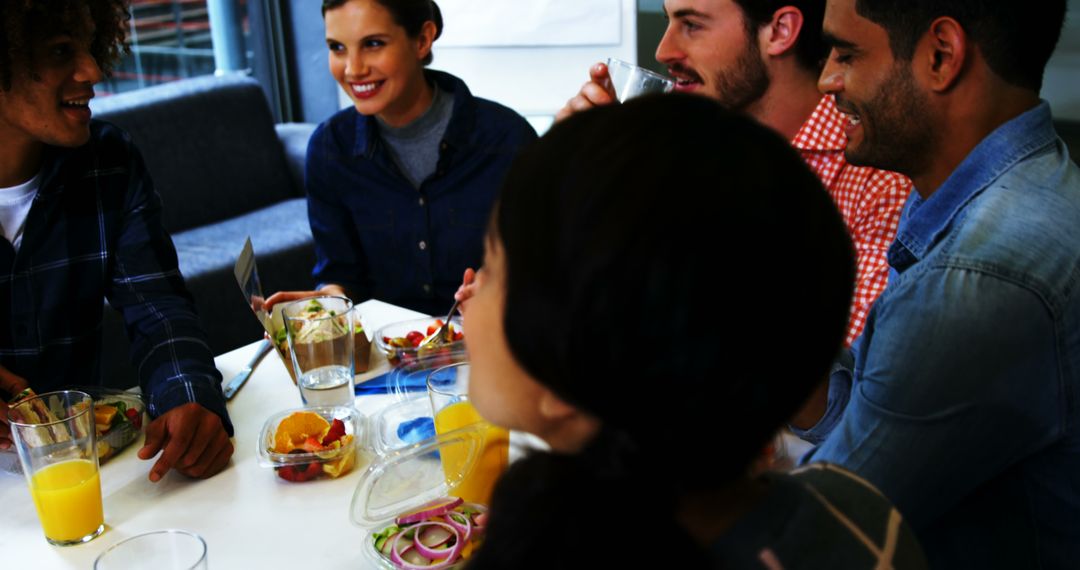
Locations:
959 400
81 221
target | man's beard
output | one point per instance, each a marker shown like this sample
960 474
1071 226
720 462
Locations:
745 83
897 134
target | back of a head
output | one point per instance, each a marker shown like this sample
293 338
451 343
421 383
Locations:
675 270
1016 38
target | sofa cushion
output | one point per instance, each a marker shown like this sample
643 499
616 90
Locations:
281 237
209 144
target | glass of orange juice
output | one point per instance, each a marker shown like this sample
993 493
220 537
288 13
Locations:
448 388
54 435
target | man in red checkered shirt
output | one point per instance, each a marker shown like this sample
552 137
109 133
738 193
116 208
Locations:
764 57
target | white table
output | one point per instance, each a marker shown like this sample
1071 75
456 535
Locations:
249 517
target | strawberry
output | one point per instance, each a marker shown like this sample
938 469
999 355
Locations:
337 431
311 445
135 417
299 472
415 338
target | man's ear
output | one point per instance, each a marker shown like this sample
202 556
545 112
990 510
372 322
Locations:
782 33
942 54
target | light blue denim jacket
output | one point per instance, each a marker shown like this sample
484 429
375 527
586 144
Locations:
959 401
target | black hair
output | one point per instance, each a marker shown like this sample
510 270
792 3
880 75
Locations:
409 14
1016 38
24 21
676 271
810 47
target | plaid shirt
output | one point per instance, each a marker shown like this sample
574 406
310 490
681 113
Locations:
93 232
870 201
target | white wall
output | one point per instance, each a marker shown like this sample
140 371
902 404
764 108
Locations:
1062 83
534 80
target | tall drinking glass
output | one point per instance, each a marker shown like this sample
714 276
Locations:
448 388
54 435
320 333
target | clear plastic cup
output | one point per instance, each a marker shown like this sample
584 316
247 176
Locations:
169 549
631 81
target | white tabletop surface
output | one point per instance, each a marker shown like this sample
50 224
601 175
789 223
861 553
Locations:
249 517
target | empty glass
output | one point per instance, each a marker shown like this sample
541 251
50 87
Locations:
170 549
631 81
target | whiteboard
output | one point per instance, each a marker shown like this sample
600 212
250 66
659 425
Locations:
487 23
535 80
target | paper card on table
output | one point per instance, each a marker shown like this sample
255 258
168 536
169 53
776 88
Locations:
247 276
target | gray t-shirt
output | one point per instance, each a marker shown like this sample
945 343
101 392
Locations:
415 146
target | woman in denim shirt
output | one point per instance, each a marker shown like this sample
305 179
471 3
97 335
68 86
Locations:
400 185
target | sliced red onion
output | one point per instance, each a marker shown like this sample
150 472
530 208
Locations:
435 508
464 528
429 550
410 558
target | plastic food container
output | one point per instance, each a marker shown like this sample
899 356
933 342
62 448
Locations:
406 479
402 424
119 417
305 461
404 355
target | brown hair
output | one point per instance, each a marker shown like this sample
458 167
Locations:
21 21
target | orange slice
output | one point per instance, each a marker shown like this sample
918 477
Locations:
297 427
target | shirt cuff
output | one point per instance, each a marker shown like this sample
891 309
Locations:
187 389
839 394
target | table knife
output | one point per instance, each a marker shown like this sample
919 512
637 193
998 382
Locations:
238 380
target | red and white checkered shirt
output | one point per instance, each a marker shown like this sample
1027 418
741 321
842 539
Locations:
870 201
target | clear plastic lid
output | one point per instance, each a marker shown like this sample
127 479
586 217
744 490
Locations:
406 478
402 424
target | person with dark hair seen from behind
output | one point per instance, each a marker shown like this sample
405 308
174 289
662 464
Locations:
763 57
960 401
401 184
578 338
81 222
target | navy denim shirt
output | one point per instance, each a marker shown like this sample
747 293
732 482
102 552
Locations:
94 231
961 404
380 237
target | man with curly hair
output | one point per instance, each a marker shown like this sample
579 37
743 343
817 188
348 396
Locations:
81 221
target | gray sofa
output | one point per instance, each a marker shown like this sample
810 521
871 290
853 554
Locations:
224 172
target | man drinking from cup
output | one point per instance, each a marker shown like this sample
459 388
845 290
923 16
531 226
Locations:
764 57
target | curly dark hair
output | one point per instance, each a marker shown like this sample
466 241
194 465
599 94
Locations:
22 21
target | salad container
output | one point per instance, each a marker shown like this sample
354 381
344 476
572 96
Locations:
400 342
411 489
302 448
280 339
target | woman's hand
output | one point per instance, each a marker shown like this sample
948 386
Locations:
287 296
467 289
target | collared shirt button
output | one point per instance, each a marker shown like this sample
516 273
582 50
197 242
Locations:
423 245
422 202
427 288
443 146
